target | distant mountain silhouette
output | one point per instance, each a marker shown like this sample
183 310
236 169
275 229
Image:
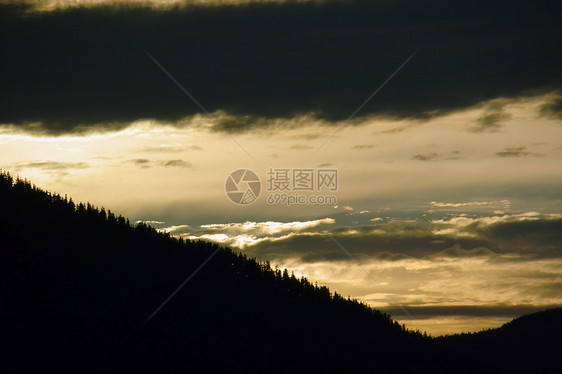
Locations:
528 344
78 284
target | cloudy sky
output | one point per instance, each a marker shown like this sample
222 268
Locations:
443 120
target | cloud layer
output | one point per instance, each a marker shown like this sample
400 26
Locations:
70 70
452 269
528 236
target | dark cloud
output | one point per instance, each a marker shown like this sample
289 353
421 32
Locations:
392 242
457 251
538 236
514 152
427 157
70 70
171 148
141 162
545 289
177 163
301 147
241 123
552 108
146 163
490 122
50 165
529 236
511 238
54 168
432 156
306 136
363 146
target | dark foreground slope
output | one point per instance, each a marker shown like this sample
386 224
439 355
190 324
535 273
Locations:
78 283
528 344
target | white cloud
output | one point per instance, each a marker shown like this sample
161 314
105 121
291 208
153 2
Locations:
246 234
457 205
268 227
151 222
174 229
458 226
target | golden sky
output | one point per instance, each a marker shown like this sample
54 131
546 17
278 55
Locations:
415 201
444 125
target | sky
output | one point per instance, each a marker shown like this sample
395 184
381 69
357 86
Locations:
439 121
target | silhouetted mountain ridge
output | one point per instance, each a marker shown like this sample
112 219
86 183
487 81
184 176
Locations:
529 344
78 284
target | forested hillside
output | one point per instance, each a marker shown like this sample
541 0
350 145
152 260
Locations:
78 284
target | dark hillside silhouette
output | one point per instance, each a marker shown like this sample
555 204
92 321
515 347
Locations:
528 344
79 282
